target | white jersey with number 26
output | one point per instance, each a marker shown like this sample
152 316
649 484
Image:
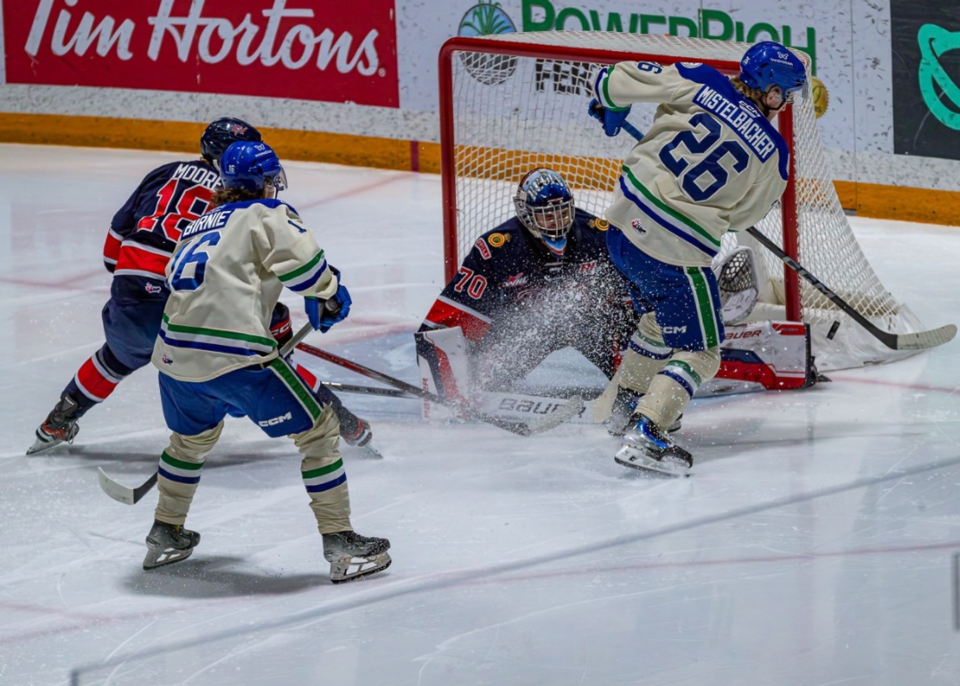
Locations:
225 277
710 163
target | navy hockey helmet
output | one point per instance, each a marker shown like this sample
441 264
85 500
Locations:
221 133
252 167
545 206
769 64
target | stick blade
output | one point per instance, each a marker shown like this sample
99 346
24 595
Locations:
117 491
122 494
926 339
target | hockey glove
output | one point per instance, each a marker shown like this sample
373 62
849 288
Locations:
612 120
323 314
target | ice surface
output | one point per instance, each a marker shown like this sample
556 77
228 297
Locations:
813 545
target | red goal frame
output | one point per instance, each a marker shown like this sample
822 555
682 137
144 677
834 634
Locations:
601 56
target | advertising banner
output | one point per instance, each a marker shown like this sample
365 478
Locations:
926 77
330 51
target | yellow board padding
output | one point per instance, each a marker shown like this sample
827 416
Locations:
869 200
177 136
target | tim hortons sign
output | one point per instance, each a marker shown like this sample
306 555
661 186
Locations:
275 48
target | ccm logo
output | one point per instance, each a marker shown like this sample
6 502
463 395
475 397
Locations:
674 329
276 420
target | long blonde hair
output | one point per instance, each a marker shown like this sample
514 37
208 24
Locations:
228 195
752 94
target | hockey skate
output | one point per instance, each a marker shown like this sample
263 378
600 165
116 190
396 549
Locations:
355 431
60 426
169 543
645 446
621 418
352 556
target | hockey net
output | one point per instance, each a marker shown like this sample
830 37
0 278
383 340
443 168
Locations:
514 101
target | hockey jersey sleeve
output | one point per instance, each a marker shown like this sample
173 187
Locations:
469 300
290 251
124 222
620 85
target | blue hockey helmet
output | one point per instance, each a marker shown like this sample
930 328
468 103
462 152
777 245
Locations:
219 134
545 206
252 167
769 64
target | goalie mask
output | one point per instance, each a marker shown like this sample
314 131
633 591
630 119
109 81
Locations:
545 206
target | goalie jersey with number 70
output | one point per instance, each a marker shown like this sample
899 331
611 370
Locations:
710 163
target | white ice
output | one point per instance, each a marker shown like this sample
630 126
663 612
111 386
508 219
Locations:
813 546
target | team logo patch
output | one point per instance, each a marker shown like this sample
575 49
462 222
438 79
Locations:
496 239
515 280
483 249
152 289
166 360
638 225
588 268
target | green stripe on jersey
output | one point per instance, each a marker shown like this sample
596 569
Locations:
656 202
303 269
217 333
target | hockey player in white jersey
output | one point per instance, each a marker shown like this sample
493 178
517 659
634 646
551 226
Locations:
217 357
710 163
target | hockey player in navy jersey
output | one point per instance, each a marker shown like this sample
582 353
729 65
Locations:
537 283
216 357
138 246
710 163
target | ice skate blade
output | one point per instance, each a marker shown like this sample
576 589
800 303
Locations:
160 558
39 446
353 568
638 459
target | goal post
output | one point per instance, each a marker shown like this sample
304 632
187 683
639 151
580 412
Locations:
513 101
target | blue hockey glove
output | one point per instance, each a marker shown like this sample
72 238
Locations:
612 120
323 314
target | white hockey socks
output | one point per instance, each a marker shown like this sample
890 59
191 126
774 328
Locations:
179 473
673 387
645 356
323 473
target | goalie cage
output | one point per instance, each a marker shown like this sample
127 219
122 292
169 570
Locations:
514 101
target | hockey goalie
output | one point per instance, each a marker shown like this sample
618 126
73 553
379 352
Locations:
542 282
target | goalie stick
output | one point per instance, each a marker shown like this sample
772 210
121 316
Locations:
921 340
132 496
523 428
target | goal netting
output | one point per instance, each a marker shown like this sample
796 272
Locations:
514 101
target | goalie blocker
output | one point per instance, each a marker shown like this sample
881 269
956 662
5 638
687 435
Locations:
755 356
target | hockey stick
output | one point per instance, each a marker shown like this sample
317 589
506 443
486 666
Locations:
368 390
895 341
573 407
131 496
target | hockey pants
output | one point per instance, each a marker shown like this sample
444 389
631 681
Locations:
281 404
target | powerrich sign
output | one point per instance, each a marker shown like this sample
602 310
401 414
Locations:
278 48
926 78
